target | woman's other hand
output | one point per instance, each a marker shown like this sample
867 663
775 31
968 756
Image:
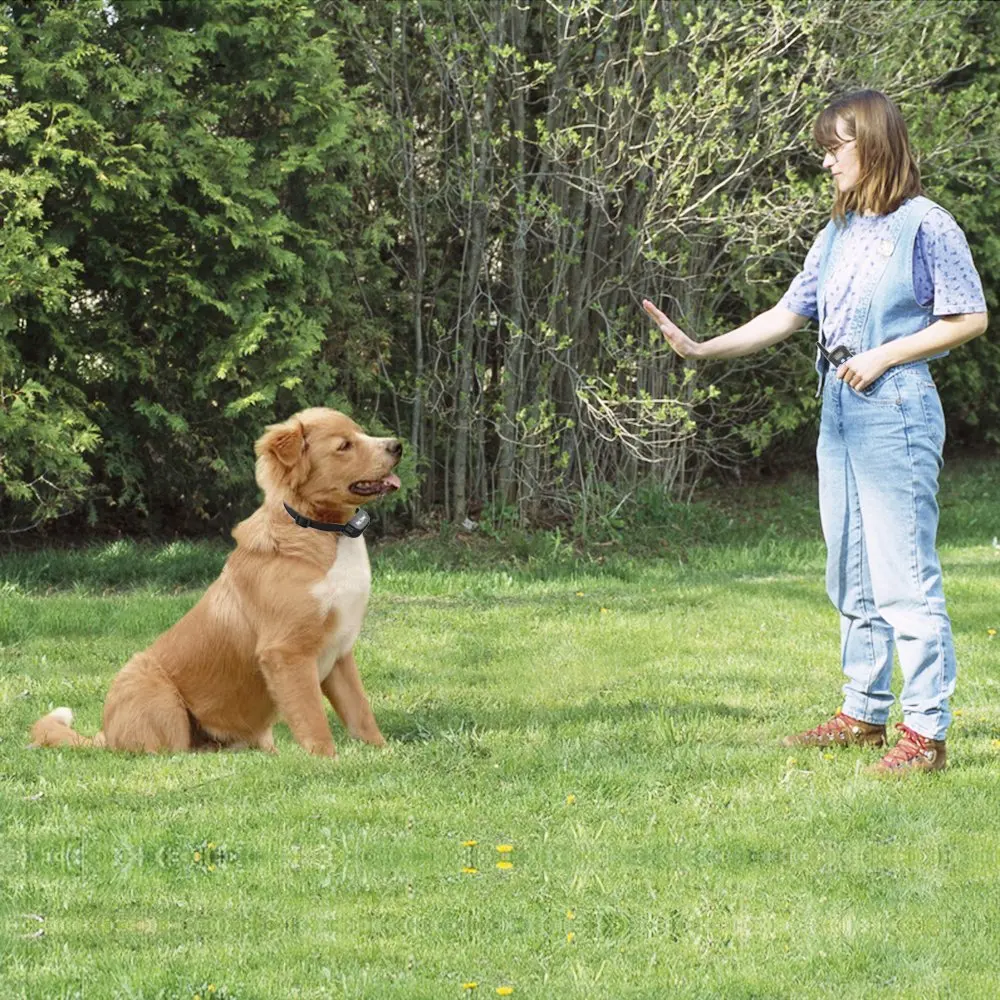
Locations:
860 371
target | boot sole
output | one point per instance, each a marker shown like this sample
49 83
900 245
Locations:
861 741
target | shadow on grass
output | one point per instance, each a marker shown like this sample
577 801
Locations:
450 721
120 565
746 528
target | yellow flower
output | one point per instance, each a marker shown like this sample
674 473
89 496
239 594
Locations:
210 846
580 593
828 756
570 937
604 611
791 762
991 632
469 843
470 986
211 868
468 870
996 743
197 855
505 991
571 914
505 865
570 800
505 848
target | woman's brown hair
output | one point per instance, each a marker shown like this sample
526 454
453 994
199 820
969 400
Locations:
889 174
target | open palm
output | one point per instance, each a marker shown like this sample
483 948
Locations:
676 337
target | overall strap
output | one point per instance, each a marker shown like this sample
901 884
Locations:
905 219
829 238
917 210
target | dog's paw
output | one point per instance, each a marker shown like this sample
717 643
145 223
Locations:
370 736
265 742
321 749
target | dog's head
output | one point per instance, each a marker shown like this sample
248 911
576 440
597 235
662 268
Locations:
322 460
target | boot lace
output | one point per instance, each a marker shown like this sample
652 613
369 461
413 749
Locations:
911 744
831 727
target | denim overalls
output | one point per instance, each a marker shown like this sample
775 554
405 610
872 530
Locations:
879 454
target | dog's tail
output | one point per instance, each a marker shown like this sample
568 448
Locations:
56 730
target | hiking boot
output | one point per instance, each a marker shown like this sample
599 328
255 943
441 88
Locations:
841 730
912 753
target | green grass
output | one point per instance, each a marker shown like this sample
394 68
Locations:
611 712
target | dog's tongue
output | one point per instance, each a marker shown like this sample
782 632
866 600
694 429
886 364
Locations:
392 481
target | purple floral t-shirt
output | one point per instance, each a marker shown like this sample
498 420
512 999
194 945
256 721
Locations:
943 271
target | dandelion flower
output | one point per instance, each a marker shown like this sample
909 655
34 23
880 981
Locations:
580 593
505 991
470 986
211 868
571 914
505 865
469 870
570 800
996 743
469 843
570 937
505 848
604 611
197 855
211 846
991 632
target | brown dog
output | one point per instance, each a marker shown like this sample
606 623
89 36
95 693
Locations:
275 632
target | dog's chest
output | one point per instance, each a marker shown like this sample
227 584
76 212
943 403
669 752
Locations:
344 591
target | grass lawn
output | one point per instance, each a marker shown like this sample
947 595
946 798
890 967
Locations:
612 715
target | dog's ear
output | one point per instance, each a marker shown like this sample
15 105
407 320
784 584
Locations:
285 442
279 454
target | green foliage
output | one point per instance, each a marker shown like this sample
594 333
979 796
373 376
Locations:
176 180
756 224
43 469
441 216
955 128
659 150
968 377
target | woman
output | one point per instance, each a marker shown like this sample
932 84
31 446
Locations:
892 284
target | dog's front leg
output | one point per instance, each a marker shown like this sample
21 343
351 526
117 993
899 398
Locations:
343 687
293 683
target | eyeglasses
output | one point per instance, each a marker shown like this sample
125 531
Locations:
835 151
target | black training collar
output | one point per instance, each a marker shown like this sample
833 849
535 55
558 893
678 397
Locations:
353 528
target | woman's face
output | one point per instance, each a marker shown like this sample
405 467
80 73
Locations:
842 159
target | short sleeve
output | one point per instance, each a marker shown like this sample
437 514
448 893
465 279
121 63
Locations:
801 295
943 271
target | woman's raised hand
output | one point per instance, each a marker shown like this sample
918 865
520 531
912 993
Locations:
676 337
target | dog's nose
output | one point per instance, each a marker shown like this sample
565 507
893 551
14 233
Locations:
395 447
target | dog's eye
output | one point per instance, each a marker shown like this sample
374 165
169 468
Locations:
345 446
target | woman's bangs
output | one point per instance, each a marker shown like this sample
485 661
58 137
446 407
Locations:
825 129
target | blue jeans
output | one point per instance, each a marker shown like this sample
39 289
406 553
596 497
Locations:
879 455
